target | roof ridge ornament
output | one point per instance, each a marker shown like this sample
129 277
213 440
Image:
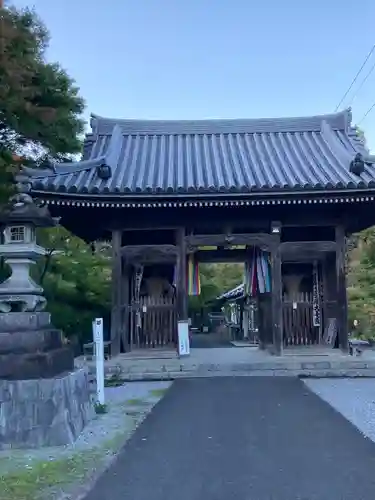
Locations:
104 171
349 117
357 166
343 155
94 123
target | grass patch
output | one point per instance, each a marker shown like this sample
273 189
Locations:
44 480
32 482
158 393
40 478
137 402
114 381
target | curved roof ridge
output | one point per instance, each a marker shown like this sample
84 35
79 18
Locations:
104 126
337 146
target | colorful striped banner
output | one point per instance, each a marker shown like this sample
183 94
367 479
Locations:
257 274
193 278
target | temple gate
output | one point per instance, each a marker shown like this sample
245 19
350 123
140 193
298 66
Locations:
161 190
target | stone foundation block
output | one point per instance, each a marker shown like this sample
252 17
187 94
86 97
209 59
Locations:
24 321
30 341
44 412
36 365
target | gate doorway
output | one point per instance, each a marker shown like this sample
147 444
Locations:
302 304
153 323
239 316
276 287
149 301
298 321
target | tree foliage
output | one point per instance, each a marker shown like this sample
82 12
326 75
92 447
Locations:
40 108
361 283
76 281
215 280
361 135
40 120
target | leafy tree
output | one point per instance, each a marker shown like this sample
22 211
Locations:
215 280
361 283
40 121
40 109
77 281
361 135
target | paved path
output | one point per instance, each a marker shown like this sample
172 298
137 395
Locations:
209 341
242 439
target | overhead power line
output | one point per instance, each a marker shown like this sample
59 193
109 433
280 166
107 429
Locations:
367 113
356 77
362 83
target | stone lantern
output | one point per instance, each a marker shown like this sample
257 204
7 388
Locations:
20 292
37 375
30 347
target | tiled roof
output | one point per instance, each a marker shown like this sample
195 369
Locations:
232 294
213 156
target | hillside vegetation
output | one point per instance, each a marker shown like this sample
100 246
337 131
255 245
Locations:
361 283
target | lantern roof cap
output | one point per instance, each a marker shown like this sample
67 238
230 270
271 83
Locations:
22 209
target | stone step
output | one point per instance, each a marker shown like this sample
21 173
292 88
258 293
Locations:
334 368
152 376
286 364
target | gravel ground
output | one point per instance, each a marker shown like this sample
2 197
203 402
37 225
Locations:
353 398
127 406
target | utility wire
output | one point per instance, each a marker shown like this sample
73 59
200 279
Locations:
356 77
362 84
367 113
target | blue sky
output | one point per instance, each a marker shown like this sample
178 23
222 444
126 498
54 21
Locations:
214 58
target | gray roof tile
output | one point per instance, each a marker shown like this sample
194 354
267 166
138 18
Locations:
233 293
213 156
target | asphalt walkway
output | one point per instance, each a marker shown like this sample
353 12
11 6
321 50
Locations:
242 439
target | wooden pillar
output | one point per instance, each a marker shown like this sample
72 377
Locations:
125 299
342 303
116 292
277 313
245 322
182 299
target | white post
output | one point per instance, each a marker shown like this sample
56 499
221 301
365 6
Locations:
183 338
99 358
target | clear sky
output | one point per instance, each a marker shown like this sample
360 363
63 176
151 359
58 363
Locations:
214 58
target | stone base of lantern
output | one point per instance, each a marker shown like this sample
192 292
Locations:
31 348
47 412
38 365
24 321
